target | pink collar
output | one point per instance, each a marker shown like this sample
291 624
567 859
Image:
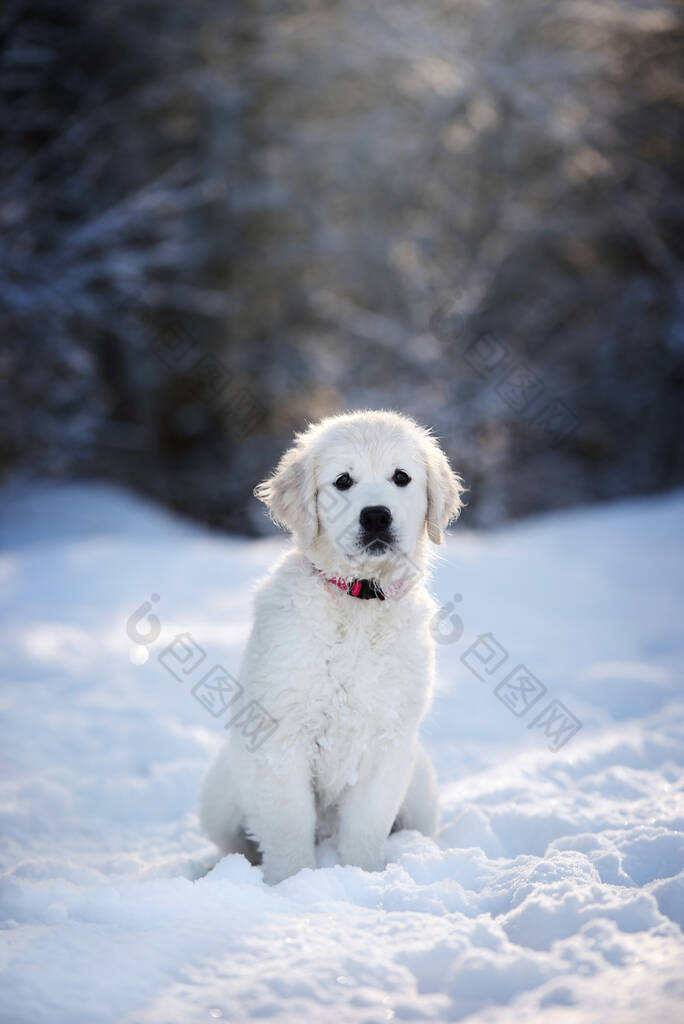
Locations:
363 588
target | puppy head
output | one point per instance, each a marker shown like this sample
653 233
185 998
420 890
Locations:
359 491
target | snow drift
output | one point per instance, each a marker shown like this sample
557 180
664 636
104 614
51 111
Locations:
555 891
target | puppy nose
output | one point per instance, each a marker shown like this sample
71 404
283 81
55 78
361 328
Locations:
375 518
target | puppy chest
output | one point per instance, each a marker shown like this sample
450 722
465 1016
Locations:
339 751
359 706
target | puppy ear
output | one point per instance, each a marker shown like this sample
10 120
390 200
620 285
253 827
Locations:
444 489
290 494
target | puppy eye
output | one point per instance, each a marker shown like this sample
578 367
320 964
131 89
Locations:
401 478
343 482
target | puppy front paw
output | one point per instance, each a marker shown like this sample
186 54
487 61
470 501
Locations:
363 853
276 868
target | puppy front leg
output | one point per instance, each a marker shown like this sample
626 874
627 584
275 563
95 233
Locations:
282 819
367 810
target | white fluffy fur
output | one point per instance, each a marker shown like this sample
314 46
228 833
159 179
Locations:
348 680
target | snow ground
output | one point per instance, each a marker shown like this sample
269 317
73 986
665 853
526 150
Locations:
555 891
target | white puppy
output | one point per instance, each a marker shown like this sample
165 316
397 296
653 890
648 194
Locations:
340 654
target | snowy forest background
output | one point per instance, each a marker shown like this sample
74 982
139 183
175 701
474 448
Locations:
219 221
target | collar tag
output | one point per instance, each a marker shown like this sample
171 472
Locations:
364 589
